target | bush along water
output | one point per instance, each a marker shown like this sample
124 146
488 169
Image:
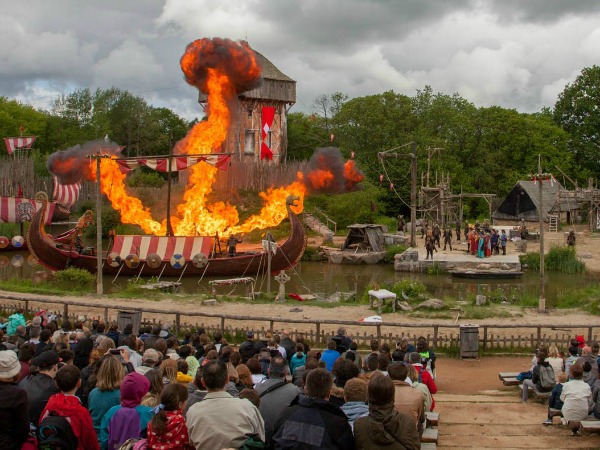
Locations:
558 259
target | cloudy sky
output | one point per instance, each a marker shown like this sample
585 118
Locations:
513 53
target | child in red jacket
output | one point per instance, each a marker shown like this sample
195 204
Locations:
167 429
67 405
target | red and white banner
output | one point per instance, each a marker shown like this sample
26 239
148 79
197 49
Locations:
19 210
163 246
18 143
66 194
177 163
268 115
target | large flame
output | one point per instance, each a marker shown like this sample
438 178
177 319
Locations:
222 69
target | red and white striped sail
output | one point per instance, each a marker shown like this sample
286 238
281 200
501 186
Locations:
164 246
178 163
18 143
66 194
19 210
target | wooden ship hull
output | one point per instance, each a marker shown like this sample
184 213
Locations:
58 256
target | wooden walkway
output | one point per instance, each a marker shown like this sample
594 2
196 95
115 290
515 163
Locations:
497 419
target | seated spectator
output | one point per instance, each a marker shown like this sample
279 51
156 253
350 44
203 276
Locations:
198 392
383 362
182 372
311 421
244 378
264 359
40 387
220 420
355 400
82 352
65 404
385 427
14 415
150 359
345 341
26 353
289 345
129 419
576 396
113 333
586 356
573 356
300 340
186 352
280 348
45 342
330 355
555 360
353 355
275 394
251 395
427 355
298 359
416 384
543 378
371 366
255 370
107 392
248 348
424 376
168 370
311 363
407 400
152 397
555 402
66 357
596 398
232 380
167 428
343 370
15 320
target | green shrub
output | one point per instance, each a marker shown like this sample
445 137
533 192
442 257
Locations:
531 259
74 280
145 179
563 259
392 251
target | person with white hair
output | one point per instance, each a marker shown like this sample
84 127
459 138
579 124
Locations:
14 415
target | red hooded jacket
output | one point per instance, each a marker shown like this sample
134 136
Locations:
81 421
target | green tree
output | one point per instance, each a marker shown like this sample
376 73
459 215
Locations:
304 136
576 110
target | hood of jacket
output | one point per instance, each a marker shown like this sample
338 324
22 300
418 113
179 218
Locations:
354 410
383 424
133 388
66 405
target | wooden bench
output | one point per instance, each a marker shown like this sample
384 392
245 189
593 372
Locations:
510 381
428 446
430 435
542 396
432 418
593 426
503 375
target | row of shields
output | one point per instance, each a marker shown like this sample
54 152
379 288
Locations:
154 261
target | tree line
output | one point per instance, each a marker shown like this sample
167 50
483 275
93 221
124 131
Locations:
481 149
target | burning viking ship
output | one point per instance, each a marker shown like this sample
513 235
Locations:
169 256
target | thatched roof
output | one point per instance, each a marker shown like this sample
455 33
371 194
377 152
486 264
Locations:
523 201
270 71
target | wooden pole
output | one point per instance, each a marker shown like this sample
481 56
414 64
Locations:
170 161
99 286
541 213
413 195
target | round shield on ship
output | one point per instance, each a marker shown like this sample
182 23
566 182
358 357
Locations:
153 261
132 261
4 261
177 261
4 242
113 259
199 260
17 260
18 241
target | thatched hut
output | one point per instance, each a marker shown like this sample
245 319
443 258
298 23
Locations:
272 99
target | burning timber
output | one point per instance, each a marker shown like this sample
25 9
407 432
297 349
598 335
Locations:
165 255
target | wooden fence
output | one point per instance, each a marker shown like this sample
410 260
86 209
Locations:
315 331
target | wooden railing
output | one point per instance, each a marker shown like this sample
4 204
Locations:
439 335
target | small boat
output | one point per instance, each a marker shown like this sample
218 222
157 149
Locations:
486 274
169 256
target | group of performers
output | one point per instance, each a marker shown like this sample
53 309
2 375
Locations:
484 243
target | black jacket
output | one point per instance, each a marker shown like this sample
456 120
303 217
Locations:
14 419
312 423
39 389
247 350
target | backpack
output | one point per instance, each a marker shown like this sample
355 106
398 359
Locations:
134 444
547 376
55 432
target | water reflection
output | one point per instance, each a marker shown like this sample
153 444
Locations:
324 279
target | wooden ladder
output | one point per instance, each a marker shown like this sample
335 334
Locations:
553 223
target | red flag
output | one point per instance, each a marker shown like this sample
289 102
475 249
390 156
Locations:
20 191
268 114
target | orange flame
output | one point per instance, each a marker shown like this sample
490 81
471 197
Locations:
195 216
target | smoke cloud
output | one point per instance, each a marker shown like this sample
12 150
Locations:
73 164
327 172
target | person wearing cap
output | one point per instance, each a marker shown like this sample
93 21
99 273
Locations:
41 387
14 415
248 347
150 360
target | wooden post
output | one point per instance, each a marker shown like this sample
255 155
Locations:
485 336
590 336
378 332
65 312
222 323
105 314
26 306
177 323
435 336
271 326
318 337
539 335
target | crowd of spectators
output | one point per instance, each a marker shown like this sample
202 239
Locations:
93 386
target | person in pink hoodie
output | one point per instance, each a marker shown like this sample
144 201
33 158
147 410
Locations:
67 405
